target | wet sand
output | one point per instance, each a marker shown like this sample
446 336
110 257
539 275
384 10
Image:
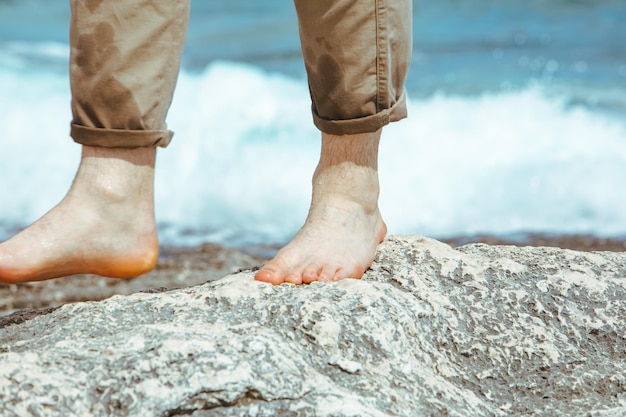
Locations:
183 267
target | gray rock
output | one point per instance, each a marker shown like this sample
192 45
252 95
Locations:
430 331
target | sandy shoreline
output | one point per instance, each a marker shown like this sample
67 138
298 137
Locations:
184 267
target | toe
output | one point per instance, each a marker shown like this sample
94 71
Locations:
294 275
294 278
269 275
310 274
343 273
327 274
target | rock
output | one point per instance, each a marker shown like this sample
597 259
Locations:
430 331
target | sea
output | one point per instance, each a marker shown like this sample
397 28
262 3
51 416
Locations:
517 122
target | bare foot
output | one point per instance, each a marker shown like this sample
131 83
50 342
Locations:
344 226
104 225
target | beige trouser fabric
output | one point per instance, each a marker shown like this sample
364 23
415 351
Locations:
356 54
125 57
124 61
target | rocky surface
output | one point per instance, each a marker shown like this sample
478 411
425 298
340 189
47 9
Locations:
474 331
184 267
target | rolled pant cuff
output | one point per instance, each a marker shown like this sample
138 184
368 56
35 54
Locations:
367 124
120 138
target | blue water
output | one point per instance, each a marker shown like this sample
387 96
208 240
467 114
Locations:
517 122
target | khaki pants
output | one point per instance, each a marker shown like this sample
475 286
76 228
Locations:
125 57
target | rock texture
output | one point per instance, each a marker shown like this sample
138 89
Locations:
430 331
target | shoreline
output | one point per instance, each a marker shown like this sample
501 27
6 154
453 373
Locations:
185 267
580 242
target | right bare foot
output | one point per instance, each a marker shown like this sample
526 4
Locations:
105 224
344 226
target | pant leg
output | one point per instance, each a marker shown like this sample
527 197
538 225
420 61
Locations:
124 62
356 54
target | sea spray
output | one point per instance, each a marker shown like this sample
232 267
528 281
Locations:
238 170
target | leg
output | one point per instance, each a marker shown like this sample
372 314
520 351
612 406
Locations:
105 224
356 54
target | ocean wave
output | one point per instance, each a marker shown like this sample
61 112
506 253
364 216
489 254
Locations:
238 170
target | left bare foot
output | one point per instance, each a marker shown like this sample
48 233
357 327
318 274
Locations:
104 225
344 225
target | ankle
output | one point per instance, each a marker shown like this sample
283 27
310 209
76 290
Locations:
359 149
135 156
116 175
348 170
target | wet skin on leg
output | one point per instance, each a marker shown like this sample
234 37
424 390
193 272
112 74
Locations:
105 224
344 226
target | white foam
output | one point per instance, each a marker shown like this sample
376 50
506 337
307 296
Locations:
240 163
505 162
